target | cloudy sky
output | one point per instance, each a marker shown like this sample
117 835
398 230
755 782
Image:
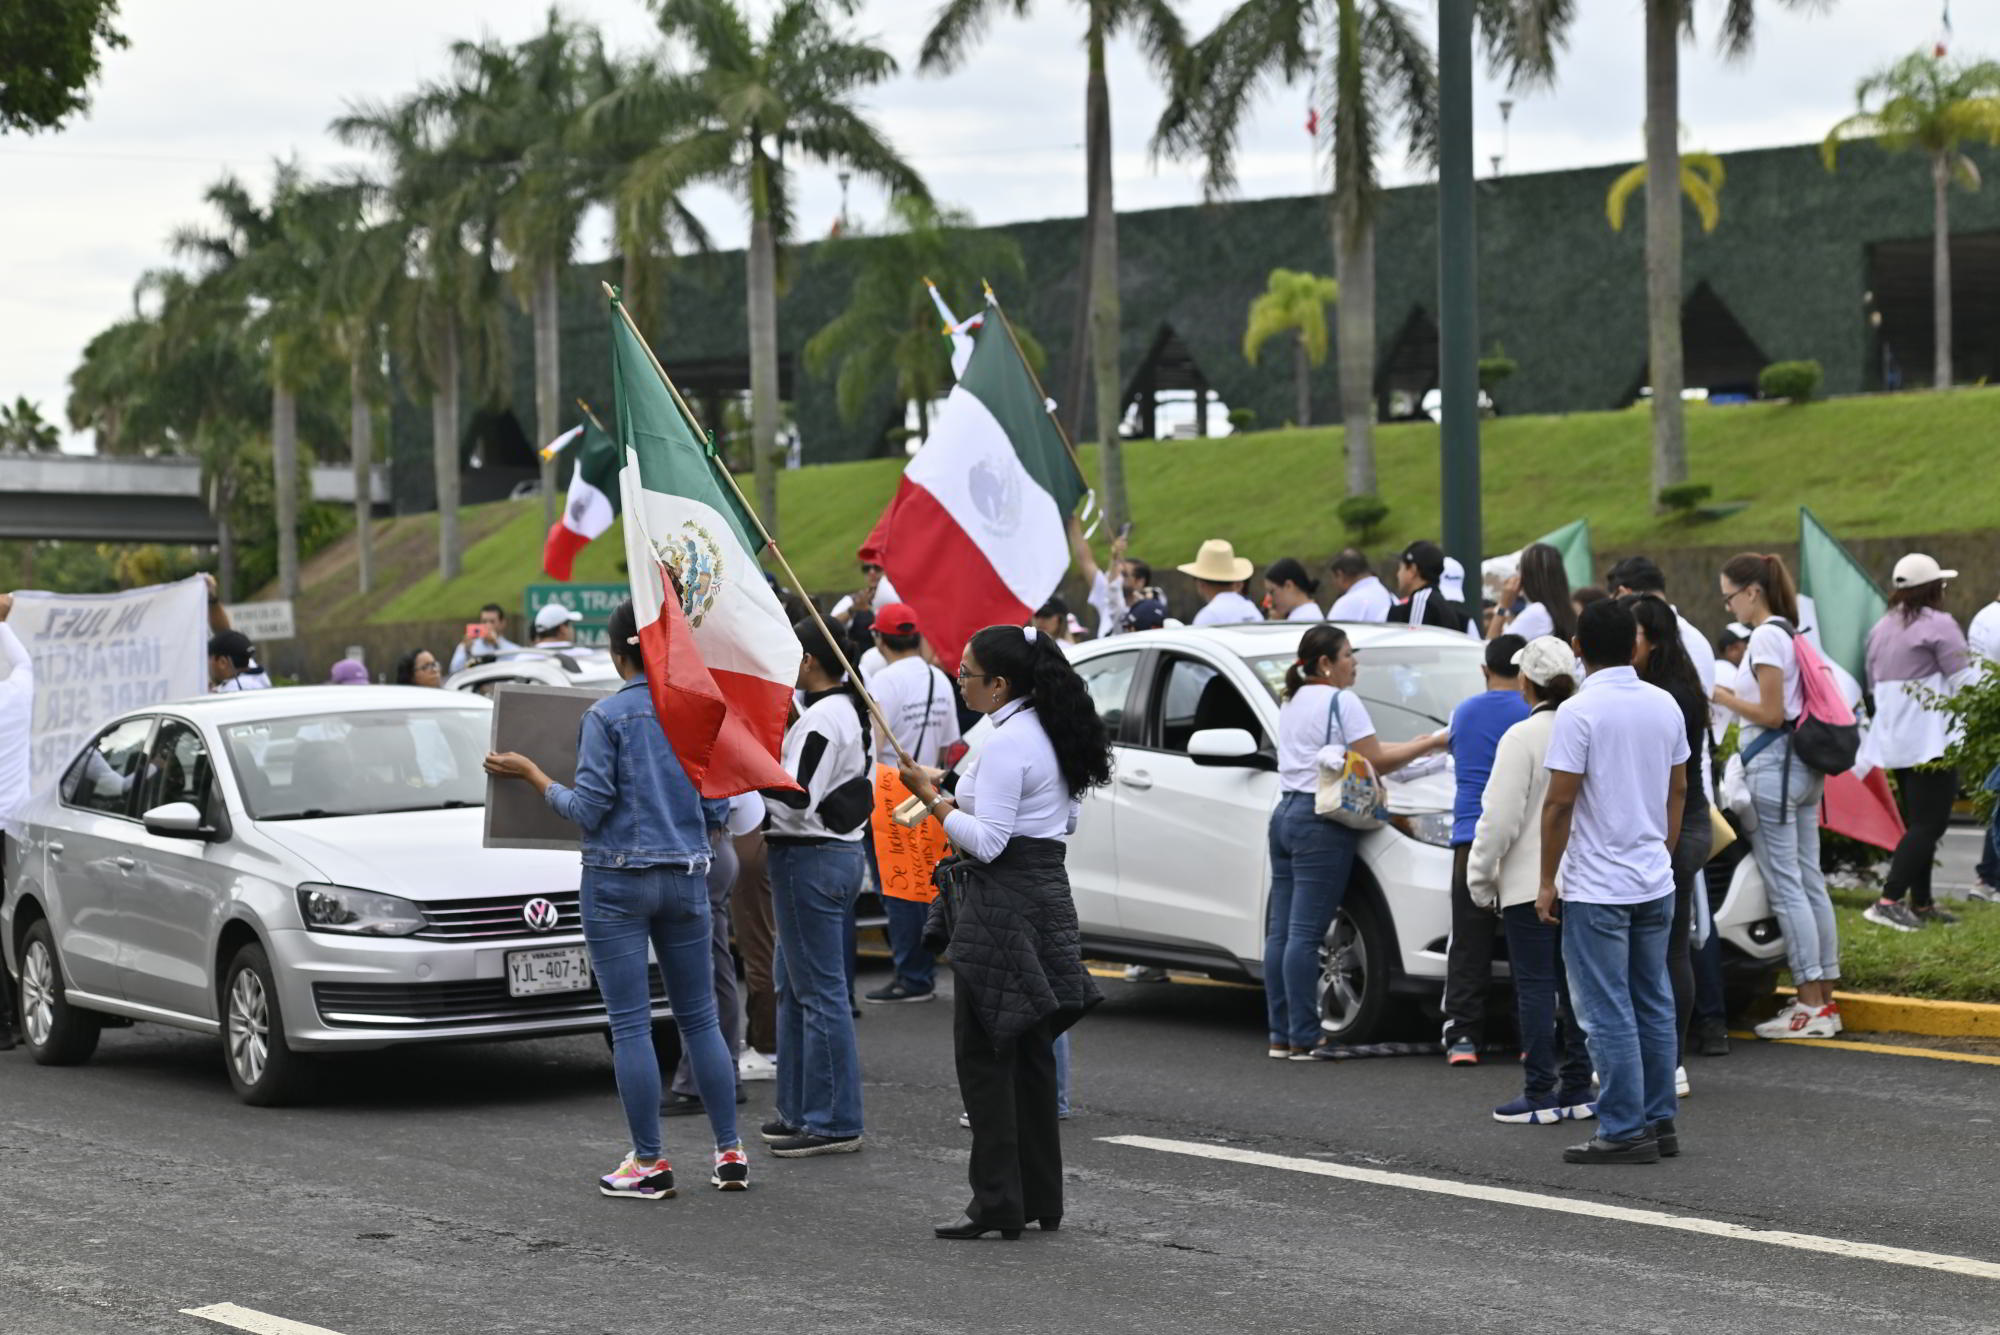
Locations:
209 86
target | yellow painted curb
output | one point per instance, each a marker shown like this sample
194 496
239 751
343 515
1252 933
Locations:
1909 1015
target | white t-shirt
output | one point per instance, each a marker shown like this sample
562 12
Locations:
244 681
1624 737
17 714
918 700
1228 608
1109 601
836 757
1306 612
1368 600
1701 651
872 662
1310 733
1532 622
1983 635
1013 790
1770 644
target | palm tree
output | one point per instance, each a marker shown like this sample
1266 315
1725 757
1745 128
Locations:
1158 30
1701 181
24 429
889 332
1929 105
1293 303
741 113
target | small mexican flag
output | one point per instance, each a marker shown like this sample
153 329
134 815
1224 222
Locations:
592 502
721 658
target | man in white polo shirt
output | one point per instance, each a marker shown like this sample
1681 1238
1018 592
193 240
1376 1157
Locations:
1617 779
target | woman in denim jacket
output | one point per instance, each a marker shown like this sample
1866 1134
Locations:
645 861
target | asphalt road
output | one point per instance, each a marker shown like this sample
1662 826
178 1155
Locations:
450 1192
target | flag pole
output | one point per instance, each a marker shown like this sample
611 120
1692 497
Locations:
591 415
777 553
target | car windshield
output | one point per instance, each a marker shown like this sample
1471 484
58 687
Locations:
360 764
1409 689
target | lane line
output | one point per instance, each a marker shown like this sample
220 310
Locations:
1805 1242
257 1323
1886 1049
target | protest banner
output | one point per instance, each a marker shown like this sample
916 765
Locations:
905 855
98 654
540 722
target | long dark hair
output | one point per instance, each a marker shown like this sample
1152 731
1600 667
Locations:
1321 641
1544 580
813 640
1768 573
406 666
1667 663
1914 599
1037 671
622 630
1290 570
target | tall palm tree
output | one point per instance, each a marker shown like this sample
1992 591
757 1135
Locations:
1158 30
741 112
23 428
1929 105
1293 303
889 332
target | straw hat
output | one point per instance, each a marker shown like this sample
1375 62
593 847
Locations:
1218 563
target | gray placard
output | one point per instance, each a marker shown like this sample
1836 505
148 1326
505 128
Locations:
541 723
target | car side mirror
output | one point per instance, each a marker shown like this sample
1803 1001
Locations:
1226 747
176 820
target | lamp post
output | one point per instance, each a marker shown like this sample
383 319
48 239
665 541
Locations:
1458 294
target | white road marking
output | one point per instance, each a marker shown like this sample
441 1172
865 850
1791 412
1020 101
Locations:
1805 1242
257 1323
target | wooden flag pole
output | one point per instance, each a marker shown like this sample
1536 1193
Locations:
791 577
591 415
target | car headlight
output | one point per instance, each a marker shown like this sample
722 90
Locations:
1426 827
336 908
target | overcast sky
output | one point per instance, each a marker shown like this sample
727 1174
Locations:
209 86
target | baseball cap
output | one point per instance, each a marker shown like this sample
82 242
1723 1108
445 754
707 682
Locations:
1427 557
1545 658
349 672
233 645
553 615
896 619
1451 583
1917 569
1733 633
1146 614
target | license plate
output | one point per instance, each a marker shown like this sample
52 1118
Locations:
533 972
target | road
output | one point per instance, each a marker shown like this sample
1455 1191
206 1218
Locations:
449 1192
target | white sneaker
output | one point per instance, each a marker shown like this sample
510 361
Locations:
1831 1012
754 1065
1680 1082
1981 890
1794 1021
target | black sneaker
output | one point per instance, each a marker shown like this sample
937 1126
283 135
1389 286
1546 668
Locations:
1711 1038
1639 1149
895 992
1933 916
804 1146
778 1129
1668 1137
690 1105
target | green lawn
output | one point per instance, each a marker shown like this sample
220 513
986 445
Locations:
1890 465
1959 963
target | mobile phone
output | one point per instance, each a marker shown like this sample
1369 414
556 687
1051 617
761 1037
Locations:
475 630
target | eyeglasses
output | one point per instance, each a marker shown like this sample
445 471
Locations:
964 676
1729 599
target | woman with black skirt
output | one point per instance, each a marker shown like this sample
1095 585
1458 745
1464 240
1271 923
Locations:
1006 915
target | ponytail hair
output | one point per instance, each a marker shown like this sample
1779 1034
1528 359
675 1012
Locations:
1545 580
1767 571
1037 670
1290 570
1321 641
813 640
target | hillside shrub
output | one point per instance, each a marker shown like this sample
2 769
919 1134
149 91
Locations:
1797 381
1362 515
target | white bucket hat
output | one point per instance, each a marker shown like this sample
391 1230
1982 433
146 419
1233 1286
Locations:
1218 563
1545 658
1917 569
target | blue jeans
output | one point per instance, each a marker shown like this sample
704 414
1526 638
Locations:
1989 855
916 968
813 888
1310 861
1786 846
666 907
1553 1059
1062 1074
1617 958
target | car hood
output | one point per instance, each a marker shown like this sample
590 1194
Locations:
422 855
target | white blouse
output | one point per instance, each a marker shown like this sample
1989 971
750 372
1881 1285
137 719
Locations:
1306 612
1309 735
1014 789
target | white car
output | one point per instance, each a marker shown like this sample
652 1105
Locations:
578 666
1169 863
297 871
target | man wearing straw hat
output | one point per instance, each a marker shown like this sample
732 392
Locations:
1219 575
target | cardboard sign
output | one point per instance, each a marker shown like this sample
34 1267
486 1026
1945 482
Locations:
541 723
263 622
905 856
593 602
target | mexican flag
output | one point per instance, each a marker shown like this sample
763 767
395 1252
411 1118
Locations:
975 536
721 658
592 502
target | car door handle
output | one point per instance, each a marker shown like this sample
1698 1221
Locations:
1139 780
55 850
126 864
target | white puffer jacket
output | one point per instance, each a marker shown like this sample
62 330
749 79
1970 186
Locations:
1504 866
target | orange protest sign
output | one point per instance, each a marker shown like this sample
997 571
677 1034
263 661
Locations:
904 855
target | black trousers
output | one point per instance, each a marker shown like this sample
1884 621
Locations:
1926 797
1468 967
1690 856
1010 1095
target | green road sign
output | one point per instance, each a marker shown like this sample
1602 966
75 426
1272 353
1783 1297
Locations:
596 602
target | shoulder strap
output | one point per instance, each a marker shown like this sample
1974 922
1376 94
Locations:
930 697
1333 716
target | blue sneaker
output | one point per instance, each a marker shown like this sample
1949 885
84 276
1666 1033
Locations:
1530 1110
1579 1107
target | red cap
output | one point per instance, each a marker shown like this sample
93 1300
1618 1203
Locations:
896 619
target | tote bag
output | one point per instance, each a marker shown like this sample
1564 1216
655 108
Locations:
1351 795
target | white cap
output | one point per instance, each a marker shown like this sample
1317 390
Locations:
553 615
1916 569
1545 658
1452 582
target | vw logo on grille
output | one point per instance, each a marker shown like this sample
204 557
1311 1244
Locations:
540 915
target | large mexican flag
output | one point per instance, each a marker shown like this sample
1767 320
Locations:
721 659
592 503
976 535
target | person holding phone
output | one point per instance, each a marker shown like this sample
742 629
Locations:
484 639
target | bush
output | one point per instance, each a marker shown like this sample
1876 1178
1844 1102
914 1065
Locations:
1242 419
1797 381
1495 367
1975 715
1685 496
1362 515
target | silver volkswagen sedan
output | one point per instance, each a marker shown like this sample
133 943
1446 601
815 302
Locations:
298 871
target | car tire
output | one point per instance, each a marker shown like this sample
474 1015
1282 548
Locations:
262 1067
57 1033
1353 989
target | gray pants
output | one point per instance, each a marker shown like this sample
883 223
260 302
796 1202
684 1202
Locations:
728 1011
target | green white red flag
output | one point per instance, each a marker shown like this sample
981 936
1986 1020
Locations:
592 502
721 658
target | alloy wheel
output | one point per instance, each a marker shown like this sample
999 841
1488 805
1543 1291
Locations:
38 993
1343 974
249 1027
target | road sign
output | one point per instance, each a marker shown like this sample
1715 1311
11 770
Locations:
263 622
596 603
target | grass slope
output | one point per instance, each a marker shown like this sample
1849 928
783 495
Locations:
1940 963
1872 466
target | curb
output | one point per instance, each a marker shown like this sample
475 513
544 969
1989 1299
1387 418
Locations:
1870 1011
